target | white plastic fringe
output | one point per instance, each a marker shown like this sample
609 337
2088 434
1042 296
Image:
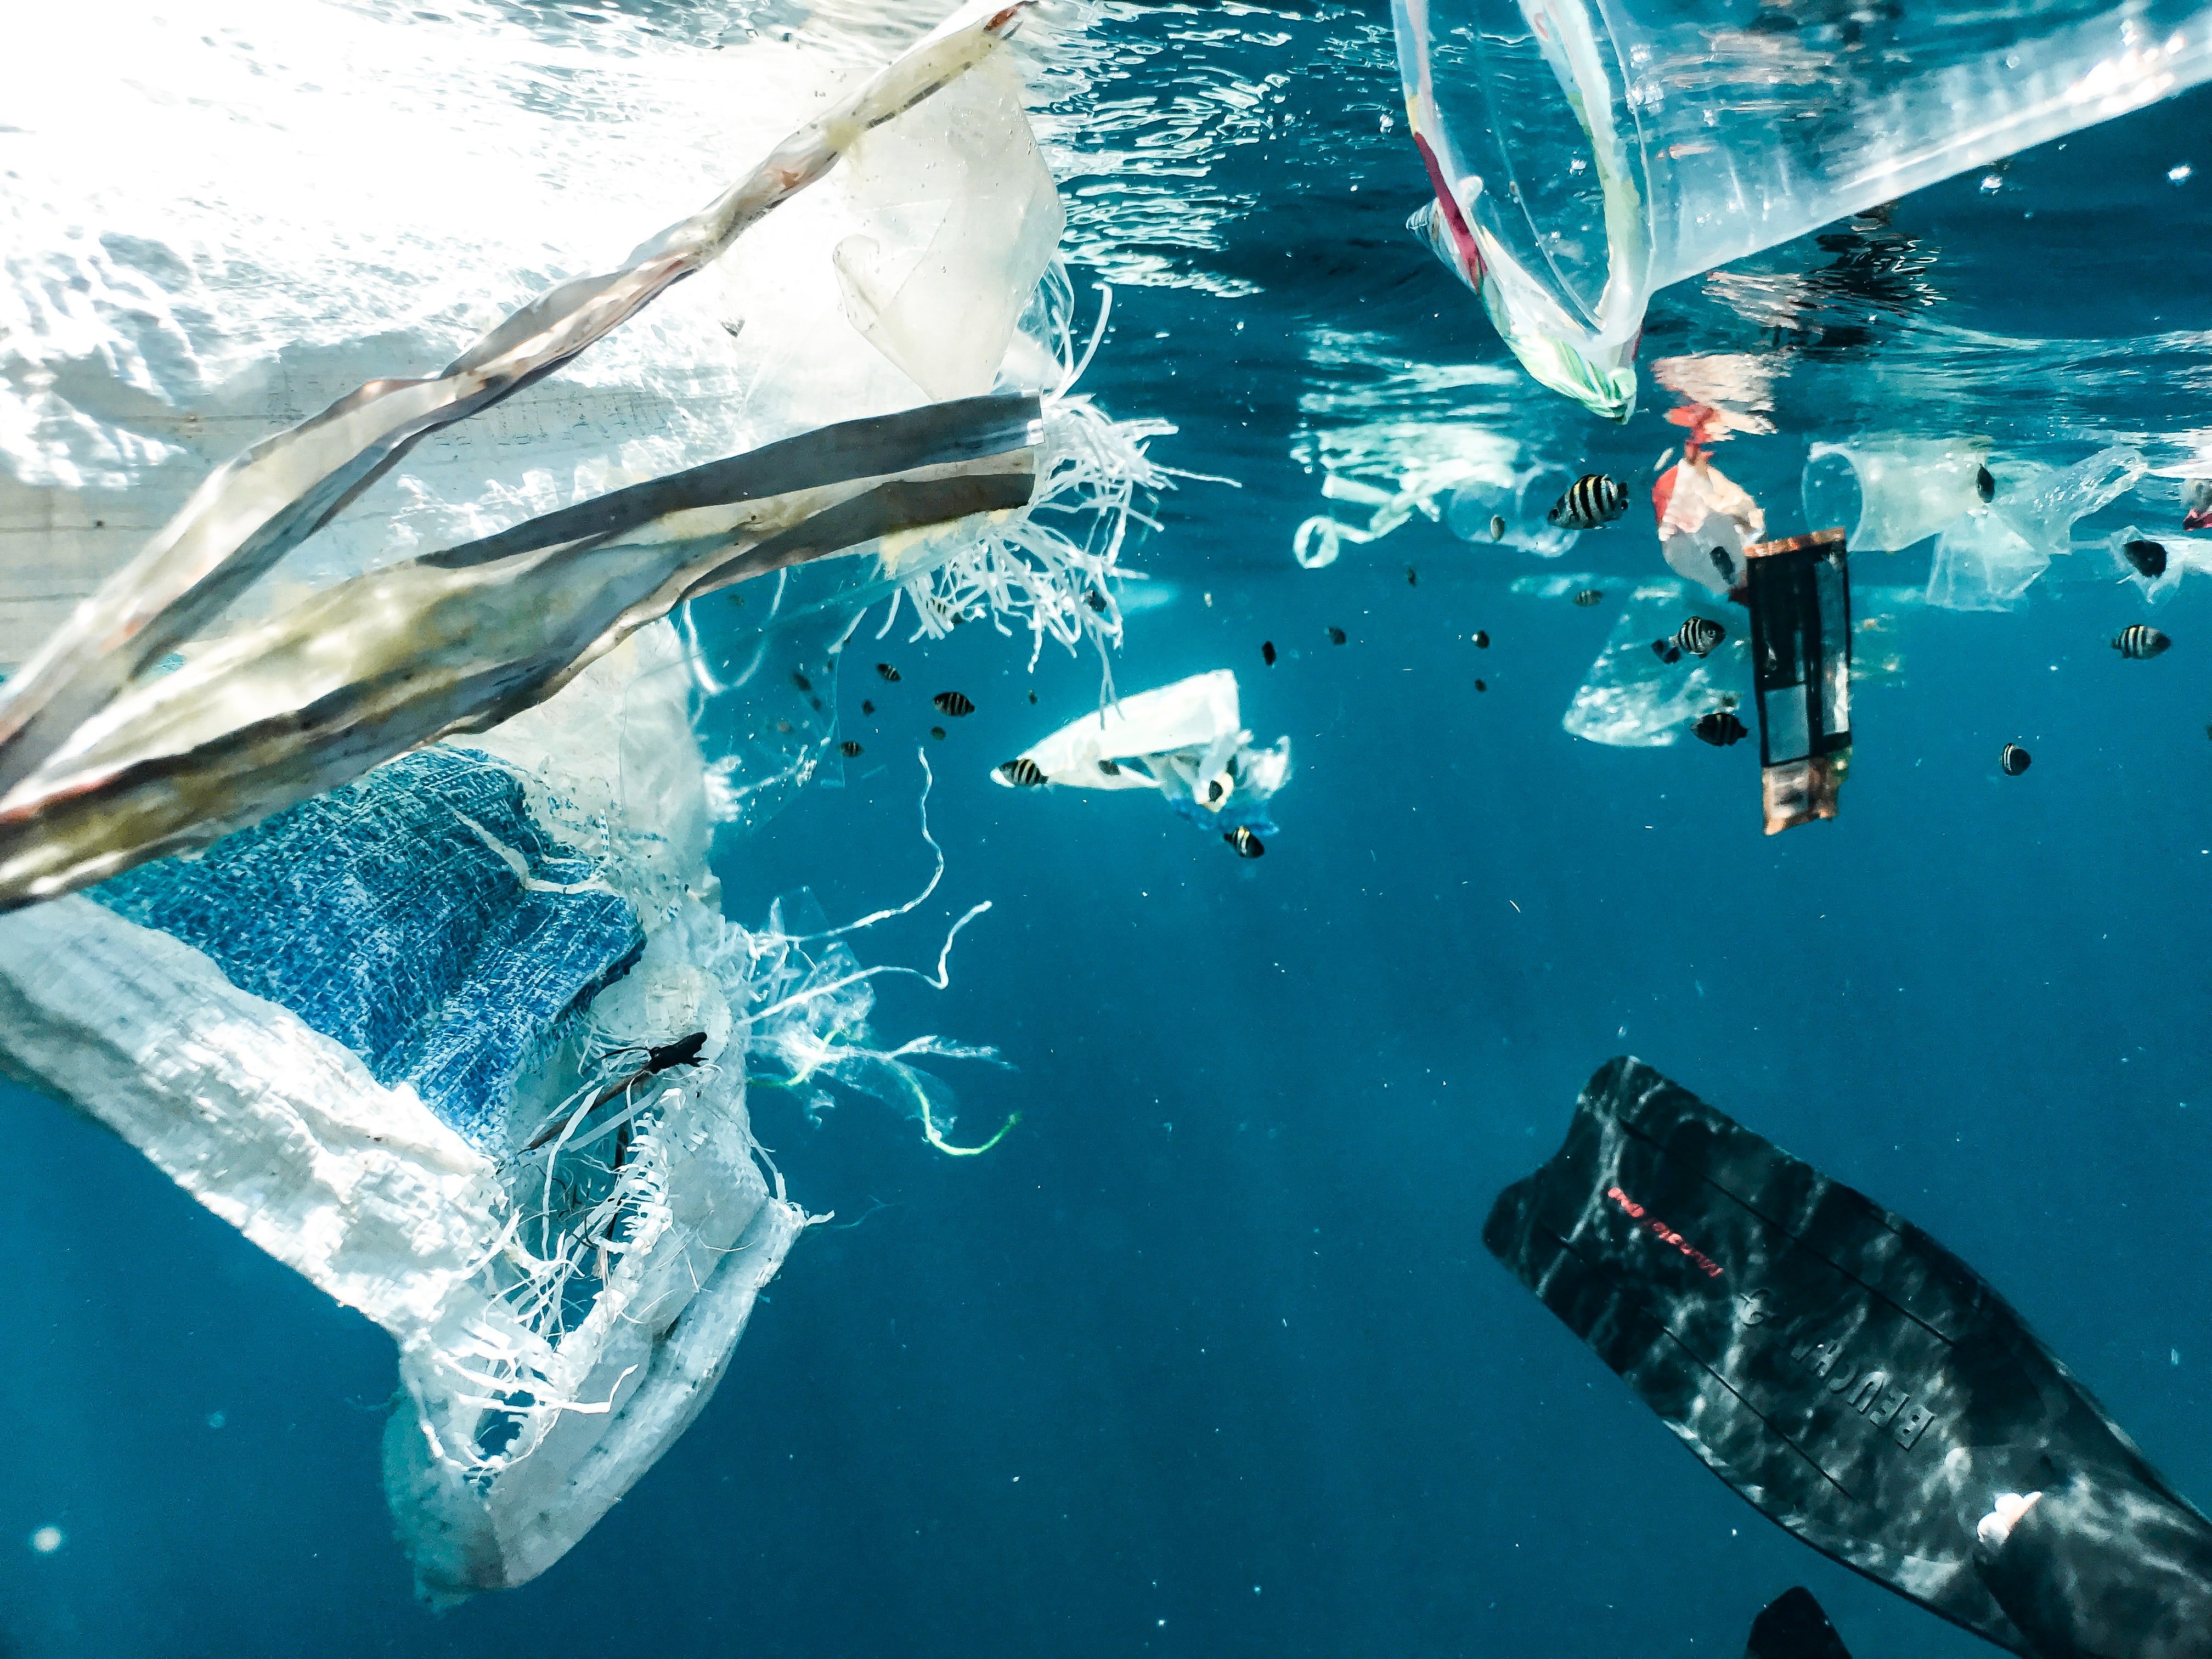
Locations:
1030 568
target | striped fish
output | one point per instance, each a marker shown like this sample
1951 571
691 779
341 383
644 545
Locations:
887 672
1697 636
849 750
2013 760
1588 596
2138 641
1591 499
953 703
1023 773
1248 845
1720 728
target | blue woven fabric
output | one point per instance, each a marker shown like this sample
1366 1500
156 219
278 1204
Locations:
383 921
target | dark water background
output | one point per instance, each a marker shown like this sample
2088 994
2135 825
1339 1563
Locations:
1207 1357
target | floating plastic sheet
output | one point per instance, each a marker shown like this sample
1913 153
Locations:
1186 740
1890 493
467 1044
1514 513
2184 556
1584 155
1801 651
1988 559
1631 698
1706 521
462 1035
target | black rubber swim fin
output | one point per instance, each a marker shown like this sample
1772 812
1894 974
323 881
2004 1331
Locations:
1851 1378
1793 1625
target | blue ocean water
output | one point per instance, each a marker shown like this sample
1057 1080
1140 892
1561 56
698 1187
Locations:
1206 1357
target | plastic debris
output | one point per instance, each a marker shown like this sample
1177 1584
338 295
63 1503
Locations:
1584 157
344 1031
2184 555
1800 652
1886 493
1705 522
962 176
1633 699
1989 557
1186 740
1513 513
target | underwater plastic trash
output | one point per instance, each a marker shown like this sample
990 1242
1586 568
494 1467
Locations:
1989 558
1890 492
1319 539
1631 699
356 1105
455 641
2184 555
467 1043
1801 654
1706 521
1981 563
966 166
1513 514
1584 154
1186 740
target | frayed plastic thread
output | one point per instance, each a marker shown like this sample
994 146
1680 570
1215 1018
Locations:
1023 569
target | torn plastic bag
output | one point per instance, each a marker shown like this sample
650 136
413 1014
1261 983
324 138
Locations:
981 218
467 1043
458 639
1988 559
1801 655
1631 698
1889 492
1515 513
1584 154
2180 556
1186 740
1981 563
337 1030
1706 521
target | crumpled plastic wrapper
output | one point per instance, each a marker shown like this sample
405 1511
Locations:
1187 740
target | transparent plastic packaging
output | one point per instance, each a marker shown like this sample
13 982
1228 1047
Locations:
1888 492
1585 154
1989 557
1513 513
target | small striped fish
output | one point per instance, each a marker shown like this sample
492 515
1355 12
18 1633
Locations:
953 703
1697 636
2014 759
2139 640
1024 772
1268 652
887 672
1248 845
1588 596
1720 728
849 749
1591 499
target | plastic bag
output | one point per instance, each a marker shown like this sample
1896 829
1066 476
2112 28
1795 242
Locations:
1186 740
